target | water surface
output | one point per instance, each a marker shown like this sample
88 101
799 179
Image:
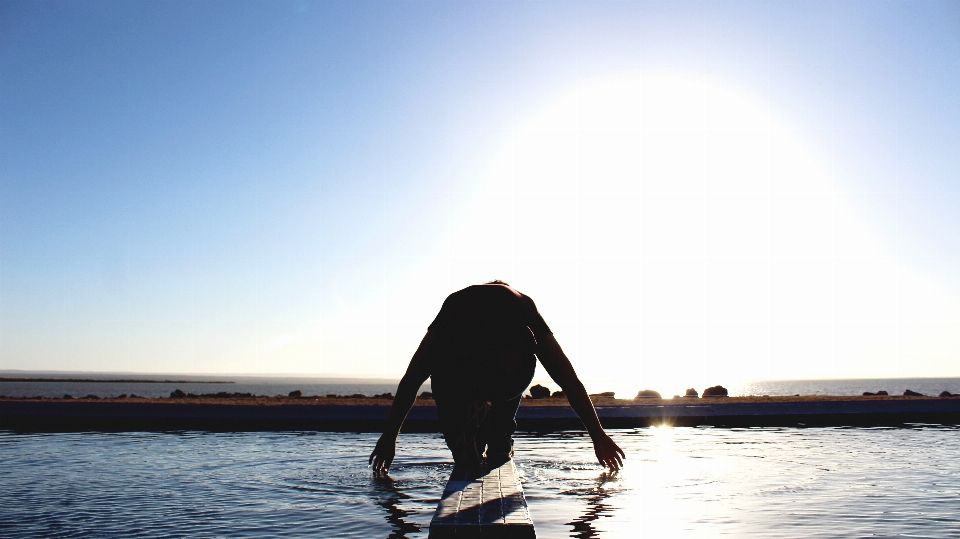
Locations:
678 482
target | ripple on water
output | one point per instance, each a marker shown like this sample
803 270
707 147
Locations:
678 482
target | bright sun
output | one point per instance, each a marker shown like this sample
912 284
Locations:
676 233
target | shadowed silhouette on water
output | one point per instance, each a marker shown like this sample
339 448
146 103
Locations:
390 502
583 525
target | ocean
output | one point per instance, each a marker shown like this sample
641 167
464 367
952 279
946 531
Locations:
677 482
163 385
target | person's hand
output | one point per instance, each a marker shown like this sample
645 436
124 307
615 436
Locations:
383 454
608 452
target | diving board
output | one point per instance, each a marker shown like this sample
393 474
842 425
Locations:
483 503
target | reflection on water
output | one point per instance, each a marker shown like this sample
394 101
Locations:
596 508
390 499
677 482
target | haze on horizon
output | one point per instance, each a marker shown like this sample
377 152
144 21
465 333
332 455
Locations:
691 192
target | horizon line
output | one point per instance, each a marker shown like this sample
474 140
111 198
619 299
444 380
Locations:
343 376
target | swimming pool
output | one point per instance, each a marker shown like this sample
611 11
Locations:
678 482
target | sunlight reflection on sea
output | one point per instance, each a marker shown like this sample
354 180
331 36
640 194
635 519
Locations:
678 482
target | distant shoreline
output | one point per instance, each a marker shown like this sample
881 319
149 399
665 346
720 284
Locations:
115 381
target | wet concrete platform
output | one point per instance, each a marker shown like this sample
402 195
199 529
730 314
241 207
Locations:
483 503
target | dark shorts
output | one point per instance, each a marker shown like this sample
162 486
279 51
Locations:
478 408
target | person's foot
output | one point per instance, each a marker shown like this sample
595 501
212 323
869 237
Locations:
499 452
496 461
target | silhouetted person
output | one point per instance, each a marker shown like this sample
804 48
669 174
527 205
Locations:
481 353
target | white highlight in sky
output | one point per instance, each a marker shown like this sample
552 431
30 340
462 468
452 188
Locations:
675 233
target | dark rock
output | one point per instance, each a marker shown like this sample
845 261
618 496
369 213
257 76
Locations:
946 394
332 395
134 396
868 394
908 393
691 393
295 393
559 394
122 396
882 392
92 397
357 396
606 394
68 396
648 394
178 394
539 392
715 391
388 396
426 395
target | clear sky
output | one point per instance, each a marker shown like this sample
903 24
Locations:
692 192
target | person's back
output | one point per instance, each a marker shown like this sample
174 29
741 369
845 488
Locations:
487 338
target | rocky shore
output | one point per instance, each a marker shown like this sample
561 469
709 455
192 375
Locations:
538 396
380 400
358 413
541 410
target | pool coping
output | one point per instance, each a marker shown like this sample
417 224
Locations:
165 414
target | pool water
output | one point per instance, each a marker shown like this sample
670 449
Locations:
677 482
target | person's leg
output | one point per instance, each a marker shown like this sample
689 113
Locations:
462 412
497 431
461 422
477 401
505 392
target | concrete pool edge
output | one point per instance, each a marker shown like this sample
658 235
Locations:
163 415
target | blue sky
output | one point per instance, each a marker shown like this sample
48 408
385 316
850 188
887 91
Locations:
294 187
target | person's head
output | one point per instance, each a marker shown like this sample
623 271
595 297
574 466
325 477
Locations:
498 281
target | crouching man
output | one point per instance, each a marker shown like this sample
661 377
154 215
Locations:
481 353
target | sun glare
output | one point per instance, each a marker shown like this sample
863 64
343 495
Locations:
676 233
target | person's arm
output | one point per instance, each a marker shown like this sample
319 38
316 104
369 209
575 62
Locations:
559 368
417 373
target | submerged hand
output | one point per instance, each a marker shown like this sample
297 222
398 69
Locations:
608 452
383 454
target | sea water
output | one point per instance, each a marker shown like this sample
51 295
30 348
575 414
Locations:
677 482
312 386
